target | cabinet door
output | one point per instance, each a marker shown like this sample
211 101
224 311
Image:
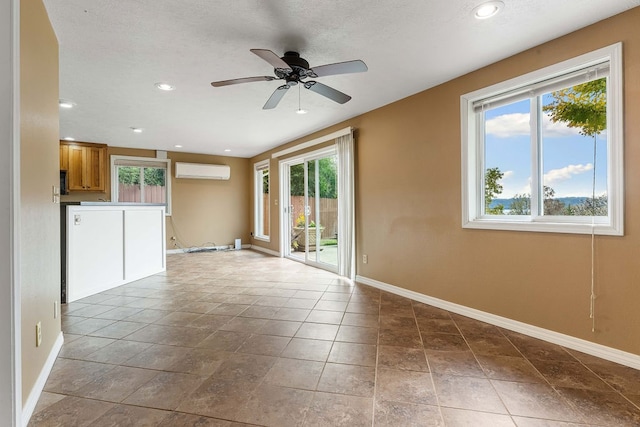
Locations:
94 168
64 157
75 170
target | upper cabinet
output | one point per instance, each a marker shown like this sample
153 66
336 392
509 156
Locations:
85 165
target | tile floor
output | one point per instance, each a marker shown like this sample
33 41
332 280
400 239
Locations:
238 338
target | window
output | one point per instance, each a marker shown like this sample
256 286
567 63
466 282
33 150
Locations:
261 206
141 180
543 152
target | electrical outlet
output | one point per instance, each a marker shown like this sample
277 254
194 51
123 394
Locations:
365 259
38 334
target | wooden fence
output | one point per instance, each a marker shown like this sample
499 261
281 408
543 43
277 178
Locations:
328 214
132 193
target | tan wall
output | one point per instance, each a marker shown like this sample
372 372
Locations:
209 212
40 217
408 155
204 211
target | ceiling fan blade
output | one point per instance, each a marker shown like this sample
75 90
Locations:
329 92
243 80
275 97
272 59
356 66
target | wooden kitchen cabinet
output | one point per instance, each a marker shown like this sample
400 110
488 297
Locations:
64 157
86 165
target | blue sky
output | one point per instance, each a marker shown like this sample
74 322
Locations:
568 162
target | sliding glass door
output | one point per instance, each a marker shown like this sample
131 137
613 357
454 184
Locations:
311 213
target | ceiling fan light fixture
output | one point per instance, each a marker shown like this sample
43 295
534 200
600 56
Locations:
164 86
488 9
300 110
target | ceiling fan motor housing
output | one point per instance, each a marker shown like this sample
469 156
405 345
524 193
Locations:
299 68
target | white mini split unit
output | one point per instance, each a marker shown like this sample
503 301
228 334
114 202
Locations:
202 171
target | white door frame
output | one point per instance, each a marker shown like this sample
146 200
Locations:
10 328
285 229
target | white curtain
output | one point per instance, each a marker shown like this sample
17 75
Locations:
346 210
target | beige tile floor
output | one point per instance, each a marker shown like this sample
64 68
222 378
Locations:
237 338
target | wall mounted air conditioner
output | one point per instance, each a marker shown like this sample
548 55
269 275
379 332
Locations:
202 171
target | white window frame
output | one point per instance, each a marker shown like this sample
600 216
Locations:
258 219
473 152
140 162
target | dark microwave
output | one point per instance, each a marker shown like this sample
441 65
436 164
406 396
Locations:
64 189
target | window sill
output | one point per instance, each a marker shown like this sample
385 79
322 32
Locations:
544 226
262 238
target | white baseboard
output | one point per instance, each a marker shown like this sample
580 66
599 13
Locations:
36 391
265 250
222 248
201 248
598 350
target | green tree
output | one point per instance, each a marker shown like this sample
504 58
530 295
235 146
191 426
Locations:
552 206
154 176
521 203
492 188
265 183
327 172
582 106
592 206
130 175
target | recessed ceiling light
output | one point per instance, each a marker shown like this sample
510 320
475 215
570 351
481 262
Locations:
136 130
68 138
227 150
178 146
488 9
64 103
164 86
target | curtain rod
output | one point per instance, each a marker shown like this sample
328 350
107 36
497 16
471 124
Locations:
312 142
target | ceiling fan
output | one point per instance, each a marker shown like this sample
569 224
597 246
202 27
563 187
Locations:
295 70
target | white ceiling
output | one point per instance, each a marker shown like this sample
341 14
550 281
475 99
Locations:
113 51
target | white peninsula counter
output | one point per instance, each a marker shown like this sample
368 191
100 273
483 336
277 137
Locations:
110 244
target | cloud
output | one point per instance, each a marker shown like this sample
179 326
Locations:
551 129
512 186
555 176
507 125
517 124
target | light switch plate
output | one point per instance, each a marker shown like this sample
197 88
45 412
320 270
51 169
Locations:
38 334
55 194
